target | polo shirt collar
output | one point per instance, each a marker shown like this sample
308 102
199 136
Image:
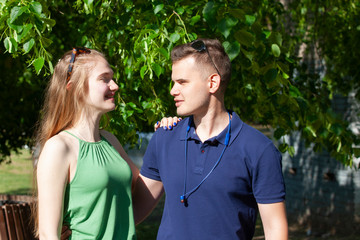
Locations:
236 126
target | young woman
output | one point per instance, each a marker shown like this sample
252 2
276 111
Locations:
84 176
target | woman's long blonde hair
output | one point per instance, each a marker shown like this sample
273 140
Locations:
63 104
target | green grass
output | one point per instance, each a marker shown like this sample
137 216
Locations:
16 176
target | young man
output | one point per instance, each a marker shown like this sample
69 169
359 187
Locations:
217 172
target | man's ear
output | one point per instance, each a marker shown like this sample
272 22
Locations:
214 81
68 85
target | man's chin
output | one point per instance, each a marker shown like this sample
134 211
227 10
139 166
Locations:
182 113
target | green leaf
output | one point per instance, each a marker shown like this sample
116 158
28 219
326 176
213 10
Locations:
88 6
209 13
38 64
279 133
25 31
180 10
132 105
238 13
174 37
275 50
339 147
28 45
36 7
158 8
250 19
249 55
311 130
51 67
232 49
276 38
142 71
157 69
285 76
294 91
291 151
337 129
46 42
244 37
164 52
271 75
194 20
283 147
7 44
89 1
226 24
48 21
283 66
13 46
16 12
267 33
17 28
357 152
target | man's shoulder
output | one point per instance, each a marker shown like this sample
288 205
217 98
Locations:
176 131
249 136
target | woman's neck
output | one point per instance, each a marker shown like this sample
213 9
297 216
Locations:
87 128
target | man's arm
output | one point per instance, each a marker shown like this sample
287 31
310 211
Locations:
146 195
273 217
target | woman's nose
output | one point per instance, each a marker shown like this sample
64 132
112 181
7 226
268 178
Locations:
113 86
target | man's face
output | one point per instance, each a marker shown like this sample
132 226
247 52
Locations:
191 87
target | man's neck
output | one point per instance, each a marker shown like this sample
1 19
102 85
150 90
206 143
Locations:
211 124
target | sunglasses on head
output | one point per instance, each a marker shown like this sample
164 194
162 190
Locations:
76 51
200 46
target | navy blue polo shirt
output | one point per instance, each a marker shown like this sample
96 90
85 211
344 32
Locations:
225 205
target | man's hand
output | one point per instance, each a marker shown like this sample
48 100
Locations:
167 123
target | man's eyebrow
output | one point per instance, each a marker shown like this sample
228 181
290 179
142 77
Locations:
180 80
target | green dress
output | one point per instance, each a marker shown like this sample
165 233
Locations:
98 202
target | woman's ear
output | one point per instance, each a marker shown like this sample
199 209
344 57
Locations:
214 82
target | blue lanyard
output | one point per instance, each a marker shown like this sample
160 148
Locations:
186 195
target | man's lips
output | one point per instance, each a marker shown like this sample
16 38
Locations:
178 102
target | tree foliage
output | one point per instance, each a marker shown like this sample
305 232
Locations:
270 84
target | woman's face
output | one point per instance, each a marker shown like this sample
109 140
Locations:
102 88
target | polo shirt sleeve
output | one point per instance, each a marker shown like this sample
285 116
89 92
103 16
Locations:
149 168
268 181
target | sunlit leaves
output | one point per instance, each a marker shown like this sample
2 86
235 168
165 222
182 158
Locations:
232 49
158 8
250 19
275 50
174 37
27 24
38 64
244 37
226 24
28 45
268 84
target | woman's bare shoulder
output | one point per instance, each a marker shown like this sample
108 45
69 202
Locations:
58 148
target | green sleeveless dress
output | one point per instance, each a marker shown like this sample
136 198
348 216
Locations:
97 203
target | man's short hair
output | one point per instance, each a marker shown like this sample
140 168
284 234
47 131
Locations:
217 53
